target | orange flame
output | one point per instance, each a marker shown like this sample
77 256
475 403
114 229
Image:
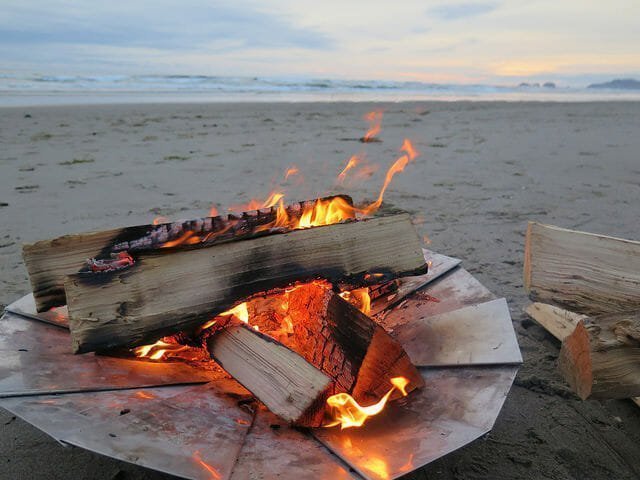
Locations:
240 311
353 161
158 350
375 124
160 219
410 153
348 413
215 475
213 211
291 171
360 298
325 212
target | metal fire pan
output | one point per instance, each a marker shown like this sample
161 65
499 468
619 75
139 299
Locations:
192 432
164 432
476 335
457 406
36 358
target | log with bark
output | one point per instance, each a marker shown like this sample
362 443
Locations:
334 348
167 291
347 345
48 262
584 272
601 358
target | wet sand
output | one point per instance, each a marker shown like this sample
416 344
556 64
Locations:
485 169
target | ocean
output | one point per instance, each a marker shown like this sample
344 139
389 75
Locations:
39 89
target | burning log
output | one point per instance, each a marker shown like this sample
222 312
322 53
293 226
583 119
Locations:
285 382
601 358
334 348
48 262
167 290
584 272
335 337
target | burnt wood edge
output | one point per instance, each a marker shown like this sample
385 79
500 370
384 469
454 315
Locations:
339 279
129 234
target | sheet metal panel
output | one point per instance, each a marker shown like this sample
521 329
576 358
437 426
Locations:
457 406
36 358
192 432
274 450
477 335
456 289
439 265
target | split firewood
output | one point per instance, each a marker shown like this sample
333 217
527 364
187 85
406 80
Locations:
334 336
584 272
601 358
285 382
558 322
48 262
167 291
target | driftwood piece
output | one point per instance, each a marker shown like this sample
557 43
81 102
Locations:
584 272
48 262
344 343
285 382
558 322
167 291
601 358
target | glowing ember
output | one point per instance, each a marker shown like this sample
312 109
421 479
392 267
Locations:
348 413
215 475
375 124
159 220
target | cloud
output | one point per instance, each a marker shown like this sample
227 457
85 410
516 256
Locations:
187 25
455 11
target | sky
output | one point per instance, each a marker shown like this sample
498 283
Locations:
498 42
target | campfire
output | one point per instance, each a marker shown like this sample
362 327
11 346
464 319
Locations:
278 295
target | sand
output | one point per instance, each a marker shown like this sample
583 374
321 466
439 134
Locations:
485 169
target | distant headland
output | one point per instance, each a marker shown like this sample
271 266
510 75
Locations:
618 84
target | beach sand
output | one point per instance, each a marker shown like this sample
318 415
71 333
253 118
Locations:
485 170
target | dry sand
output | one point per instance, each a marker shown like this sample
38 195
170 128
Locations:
485 169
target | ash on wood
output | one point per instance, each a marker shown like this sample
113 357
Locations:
285 382
334 336
601 358
168 291
587 273
48 262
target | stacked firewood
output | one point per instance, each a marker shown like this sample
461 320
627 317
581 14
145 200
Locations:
133 286
586 290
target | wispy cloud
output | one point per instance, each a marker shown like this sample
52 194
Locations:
455 11
188 25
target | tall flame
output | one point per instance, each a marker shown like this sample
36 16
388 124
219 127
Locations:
348 413
410 153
